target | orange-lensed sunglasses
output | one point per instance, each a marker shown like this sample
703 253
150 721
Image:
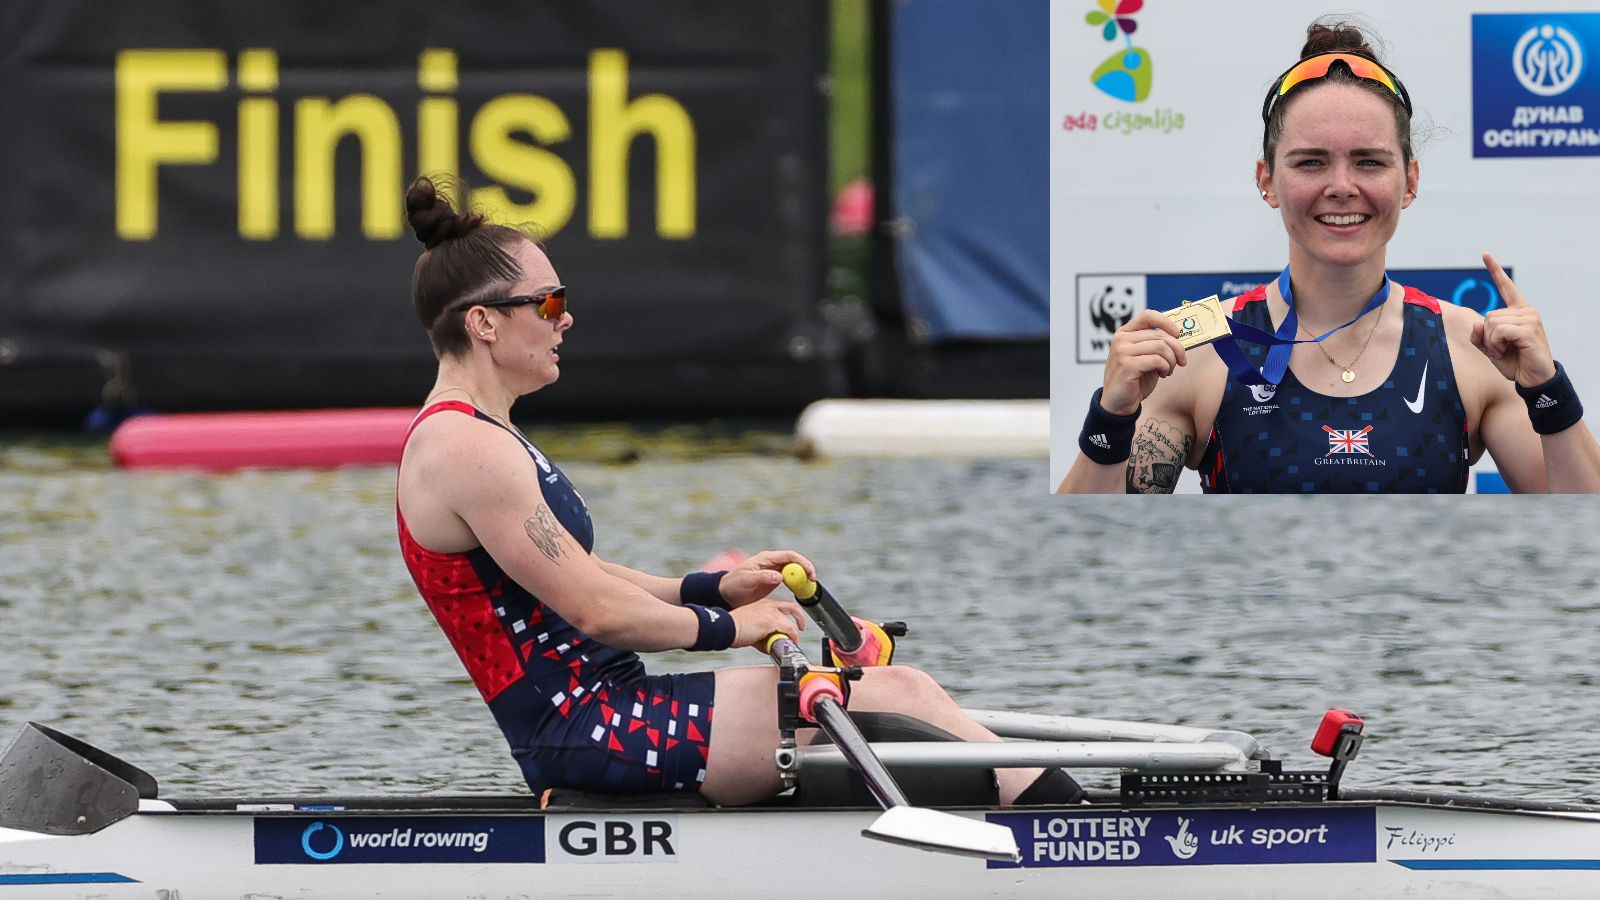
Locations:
552 303
1313 67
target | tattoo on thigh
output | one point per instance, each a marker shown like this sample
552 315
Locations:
545 532
1159 451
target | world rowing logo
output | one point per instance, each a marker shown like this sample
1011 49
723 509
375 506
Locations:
1548 60
1346 441
313 828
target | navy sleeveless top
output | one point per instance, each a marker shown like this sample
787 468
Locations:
1407 436
528 662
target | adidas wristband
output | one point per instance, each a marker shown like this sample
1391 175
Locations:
1553 406
703 589
1107 439
717 630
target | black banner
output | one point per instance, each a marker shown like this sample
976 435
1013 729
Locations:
207 196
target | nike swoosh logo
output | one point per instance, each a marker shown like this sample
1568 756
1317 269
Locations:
1416 405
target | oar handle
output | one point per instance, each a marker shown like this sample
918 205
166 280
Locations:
784 651
826 611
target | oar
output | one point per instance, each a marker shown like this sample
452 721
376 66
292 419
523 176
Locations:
901 823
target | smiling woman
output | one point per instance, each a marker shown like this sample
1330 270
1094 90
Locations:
1368 385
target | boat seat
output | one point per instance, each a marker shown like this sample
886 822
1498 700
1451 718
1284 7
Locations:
923 786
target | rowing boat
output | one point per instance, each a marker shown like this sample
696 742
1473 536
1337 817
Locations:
78 822
1205 813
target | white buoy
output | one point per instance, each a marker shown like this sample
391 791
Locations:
924 428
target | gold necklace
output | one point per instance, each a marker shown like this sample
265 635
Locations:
1348 375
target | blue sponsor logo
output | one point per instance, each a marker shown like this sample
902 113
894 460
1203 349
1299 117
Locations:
295 840
1534 92
1202 837
1472 288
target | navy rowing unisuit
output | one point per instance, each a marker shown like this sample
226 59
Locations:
1408 436
577 713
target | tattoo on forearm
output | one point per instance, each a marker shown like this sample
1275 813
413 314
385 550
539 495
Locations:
1159 451
545 532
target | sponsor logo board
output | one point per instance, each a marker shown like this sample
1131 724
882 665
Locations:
296 840
1534 90
1204 837
1108 302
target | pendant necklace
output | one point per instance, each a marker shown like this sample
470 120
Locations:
1350 375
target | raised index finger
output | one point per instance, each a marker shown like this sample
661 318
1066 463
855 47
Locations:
1508 291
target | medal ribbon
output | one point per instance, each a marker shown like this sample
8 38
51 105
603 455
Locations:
1280 344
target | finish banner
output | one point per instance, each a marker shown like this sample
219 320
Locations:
213 193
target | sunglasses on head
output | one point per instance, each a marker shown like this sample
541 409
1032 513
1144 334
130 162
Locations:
552 303
1314 67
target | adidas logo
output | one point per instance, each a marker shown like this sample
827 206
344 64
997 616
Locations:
712 615
1099 440
1544 402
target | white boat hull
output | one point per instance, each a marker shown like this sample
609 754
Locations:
1335 850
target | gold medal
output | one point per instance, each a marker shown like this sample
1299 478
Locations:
1200 323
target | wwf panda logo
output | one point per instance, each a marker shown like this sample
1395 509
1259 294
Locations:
1111 309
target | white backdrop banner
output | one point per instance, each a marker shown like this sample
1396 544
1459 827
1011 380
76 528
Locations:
1156 128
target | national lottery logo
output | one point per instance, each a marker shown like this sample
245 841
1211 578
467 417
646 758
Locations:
1548 60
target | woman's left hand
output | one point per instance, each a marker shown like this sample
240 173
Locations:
755 578
1513 337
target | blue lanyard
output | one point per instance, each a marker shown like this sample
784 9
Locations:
1280 344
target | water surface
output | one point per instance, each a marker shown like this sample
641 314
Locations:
257 632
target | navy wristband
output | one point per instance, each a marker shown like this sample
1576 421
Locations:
1553 406
717 629
703 589
1105 438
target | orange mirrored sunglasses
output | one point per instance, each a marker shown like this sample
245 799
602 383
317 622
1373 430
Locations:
552 303
1313 67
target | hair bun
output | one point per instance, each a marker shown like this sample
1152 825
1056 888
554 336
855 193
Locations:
433 218
1335 36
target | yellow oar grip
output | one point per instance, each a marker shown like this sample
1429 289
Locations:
794 575
766 645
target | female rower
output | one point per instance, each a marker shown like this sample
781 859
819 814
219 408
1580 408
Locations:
501 546
1402 396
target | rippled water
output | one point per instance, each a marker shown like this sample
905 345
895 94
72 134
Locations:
257 632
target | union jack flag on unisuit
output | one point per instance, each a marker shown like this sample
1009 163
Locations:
1347 441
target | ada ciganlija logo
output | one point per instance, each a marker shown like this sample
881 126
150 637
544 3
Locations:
1126 75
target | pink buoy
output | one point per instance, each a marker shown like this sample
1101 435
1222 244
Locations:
219 442
725 560
852 209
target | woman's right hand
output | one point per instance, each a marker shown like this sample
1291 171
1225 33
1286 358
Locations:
755 621
1143 352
